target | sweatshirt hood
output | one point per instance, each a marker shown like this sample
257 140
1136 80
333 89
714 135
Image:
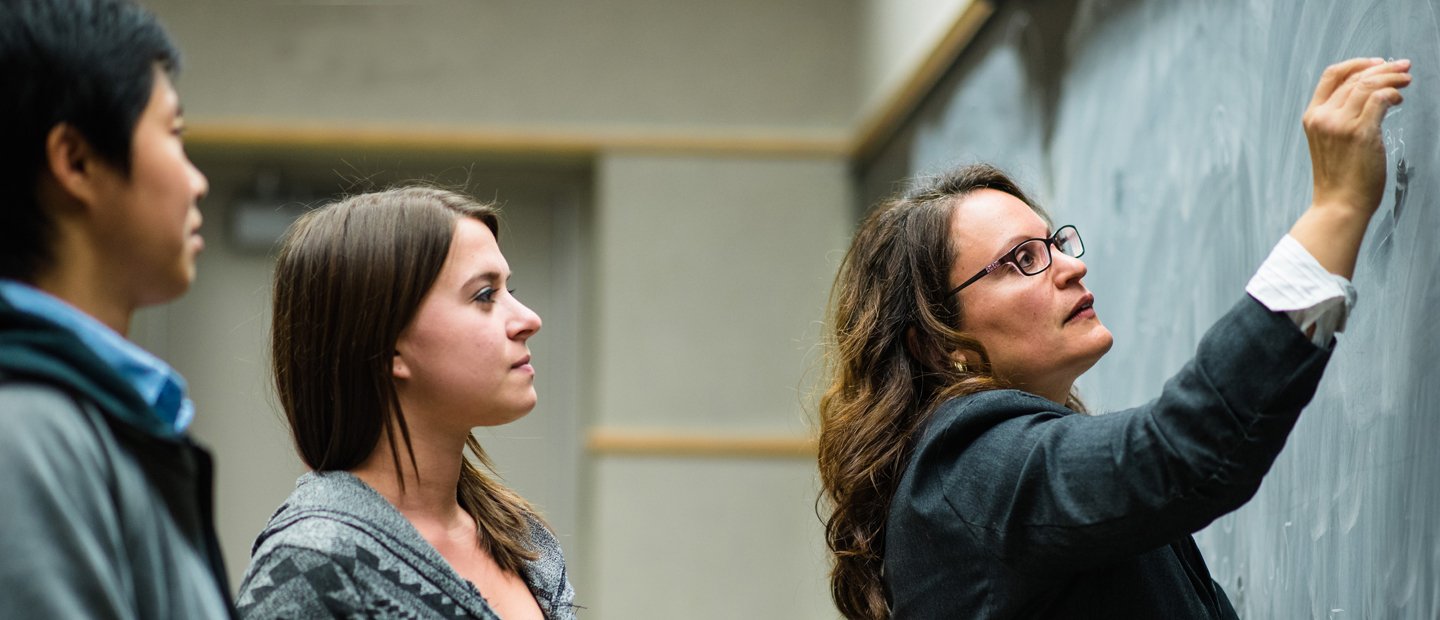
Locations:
36 349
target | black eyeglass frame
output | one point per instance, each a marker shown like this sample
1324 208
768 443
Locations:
1009 257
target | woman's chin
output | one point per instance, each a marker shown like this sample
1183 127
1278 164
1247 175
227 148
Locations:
1105 340
1097 345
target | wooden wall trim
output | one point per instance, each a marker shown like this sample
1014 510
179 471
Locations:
625 442
506 141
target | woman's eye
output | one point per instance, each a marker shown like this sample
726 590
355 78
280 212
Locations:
1025 261
487 294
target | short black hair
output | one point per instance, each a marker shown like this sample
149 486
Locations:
86 63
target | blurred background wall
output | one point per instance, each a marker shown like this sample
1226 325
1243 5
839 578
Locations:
679 183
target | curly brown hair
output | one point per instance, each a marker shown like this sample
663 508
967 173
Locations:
893 332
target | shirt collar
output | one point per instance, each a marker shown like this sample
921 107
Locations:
155 381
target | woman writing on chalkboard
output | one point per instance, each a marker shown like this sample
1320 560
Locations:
964 478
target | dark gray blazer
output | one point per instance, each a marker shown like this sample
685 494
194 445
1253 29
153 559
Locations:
1013 506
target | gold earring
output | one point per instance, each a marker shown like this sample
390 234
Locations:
961 367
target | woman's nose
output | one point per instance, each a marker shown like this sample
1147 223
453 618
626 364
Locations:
525 322
1067 268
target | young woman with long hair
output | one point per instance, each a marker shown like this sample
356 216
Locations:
393 336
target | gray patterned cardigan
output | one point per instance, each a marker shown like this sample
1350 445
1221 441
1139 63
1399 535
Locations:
338 549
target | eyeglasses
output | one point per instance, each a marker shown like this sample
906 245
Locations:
1032 256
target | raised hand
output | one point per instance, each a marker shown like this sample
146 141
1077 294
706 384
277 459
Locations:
1342 123
1347 156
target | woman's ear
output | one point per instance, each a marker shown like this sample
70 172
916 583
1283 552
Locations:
398 368
960 360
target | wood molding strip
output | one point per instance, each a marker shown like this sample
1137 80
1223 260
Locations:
882 124
243 134
610 442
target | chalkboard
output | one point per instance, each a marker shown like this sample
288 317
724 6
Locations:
1169 133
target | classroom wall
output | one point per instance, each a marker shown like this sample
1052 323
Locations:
1169 134
551 65
712 274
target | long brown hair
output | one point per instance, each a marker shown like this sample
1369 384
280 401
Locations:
349 278
892 333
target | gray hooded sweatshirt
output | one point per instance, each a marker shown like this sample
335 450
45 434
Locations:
337 549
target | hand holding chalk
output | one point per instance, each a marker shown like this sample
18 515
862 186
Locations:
1342 123
1347 156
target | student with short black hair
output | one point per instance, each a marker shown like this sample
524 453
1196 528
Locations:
108 504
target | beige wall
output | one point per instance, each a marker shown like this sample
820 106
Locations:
714 273
550 64
705 539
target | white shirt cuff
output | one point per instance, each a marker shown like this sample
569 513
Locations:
1293 282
